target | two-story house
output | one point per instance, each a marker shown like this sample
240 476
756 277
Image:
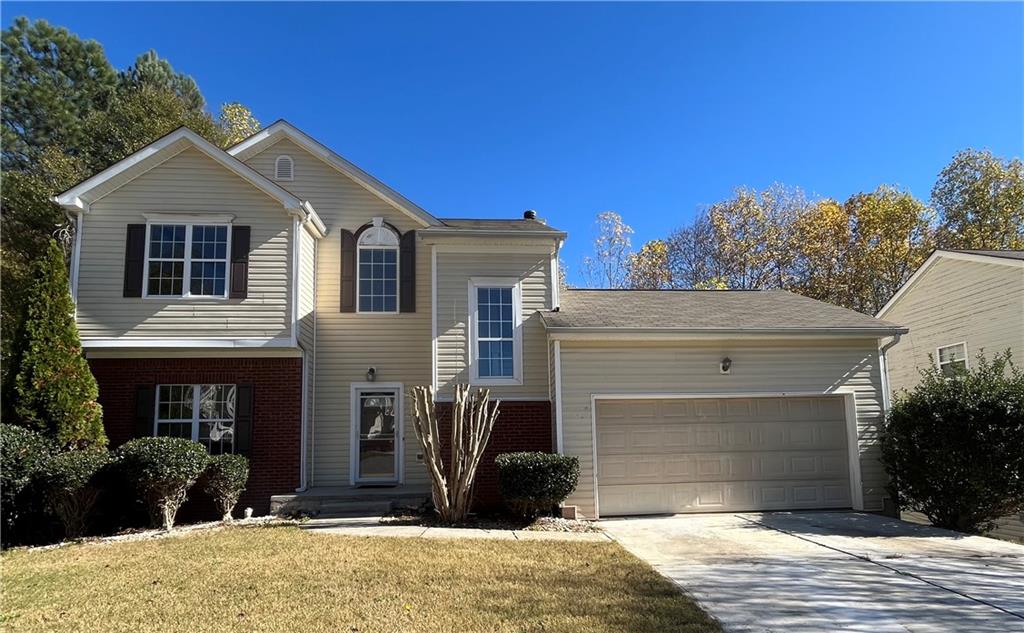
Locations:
276 300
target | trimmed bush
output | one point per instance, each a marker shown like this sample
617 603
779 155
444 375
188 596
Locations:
163 469
954 446
22 453
69 483
534 483
225 479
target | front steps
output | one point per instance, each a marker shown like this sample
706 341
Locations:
329 503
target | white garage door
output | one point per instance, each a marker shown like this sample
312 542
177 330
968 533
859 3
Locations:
718 454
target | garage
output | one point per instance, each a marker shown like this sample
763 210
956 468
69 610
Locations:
674 455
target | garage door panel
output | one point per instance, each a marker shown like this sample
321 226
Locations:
722 454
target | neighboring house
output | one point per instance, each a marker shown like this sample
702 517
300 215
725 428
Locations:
958 304
276 300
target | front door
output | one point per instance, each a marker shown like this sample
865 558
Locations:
376 435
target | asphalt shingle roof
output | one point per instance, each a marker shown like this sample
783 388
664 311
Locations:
480 224
703 310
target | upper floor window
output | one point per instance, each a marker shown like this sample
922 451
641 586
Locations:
187 260
201 413
952 359
377 289
284 168
496 321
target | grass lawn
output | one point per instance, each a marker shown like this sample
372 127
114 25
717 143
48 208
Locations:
285 579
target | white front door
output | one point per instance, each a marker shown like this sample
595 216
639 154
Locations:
376 433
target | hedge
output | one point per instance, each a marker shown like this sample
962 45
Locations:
534 483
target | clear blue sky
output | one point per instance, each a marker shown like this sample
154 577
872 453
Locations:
651 110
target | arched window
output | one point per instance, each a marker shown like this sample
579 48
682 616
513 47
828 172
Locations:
284 168
377 289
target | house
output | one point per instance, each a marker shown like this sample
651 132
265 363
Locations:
276 300
958 304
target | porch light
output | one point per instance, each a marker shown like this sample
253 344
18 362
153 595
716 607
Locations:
725 365
371 374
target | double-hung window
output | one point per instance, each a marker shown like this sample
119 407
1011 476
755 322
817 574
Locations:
952 359
378 269
496 337
187 260
201 413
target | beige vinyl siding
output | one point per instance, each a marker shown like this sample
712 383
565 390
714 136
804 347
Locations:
189 182
768 367
454 271
956 301
398 345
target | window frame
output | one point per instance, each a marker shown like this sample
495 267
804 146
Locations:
195 420
186 280
938 356
378 223
515 284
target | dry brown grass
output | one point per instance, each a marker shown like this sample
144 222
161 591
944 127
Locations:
285 579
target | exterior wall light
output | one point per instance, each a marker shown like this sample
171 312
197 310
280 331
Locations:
371 374
726 365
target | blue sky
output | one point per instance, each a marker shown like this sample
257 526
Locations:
651 110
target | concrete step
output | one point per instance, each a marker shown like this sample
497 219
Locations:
335 509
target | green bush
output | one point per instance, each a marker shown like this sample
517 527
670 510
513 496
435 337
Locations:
225 479
533 483
70 487
22 453
954 446
163 469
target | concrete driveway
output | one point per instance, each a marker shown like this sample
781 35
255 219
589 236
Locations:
833 571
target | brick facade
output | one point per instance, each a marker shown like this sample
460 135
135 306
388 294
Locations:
277 410
521 426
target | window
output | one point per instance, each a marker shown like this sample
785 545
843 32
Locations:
378 269
284 168
187 260
952 359
496 331
201 413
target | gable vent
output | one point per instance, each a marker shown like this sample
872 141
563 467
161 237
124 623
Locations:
283 168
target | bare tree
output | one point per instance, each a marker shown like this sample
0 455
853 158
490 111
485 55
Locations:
473 419
609 267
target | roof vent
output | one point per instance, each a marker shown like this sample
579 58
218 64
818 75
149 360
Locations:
529 214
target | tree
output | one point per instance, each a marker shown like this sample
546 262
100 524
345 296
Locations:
473 419
609 267
693 260
980 200
53 389
151 71
954 446
648 268
822 237
237 122
52 81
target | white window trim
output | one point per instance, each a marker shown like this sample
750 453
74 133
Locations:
517 330
938 357
355 389
186 281
277 162
197 389
379 223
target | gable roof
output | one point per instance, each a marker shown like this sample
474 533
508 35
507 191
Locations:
709 312
482 227
78 198
283 129
1006 258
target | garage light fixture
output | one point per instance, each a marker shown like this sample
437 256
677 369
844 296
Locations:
726 365
371 374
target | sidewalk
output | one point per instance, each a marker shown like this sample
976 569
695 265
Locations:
371 526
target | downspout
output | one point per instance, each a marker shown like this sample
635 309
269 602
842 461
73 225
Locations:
883 363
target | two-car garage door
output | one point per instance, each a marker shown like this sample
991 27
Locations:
718 454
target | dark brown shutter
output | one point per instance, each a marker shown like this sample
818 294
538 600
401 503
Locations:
134 260
239 262
243 418
348 271
144 402
407 273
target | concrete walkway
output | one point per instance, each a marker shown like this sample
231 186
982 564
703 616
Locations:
804 572
371 526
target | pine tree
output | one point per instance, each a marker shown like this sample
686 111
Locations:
53 390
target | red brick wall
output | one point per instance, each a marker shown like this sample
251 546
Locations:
277 410
521 426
